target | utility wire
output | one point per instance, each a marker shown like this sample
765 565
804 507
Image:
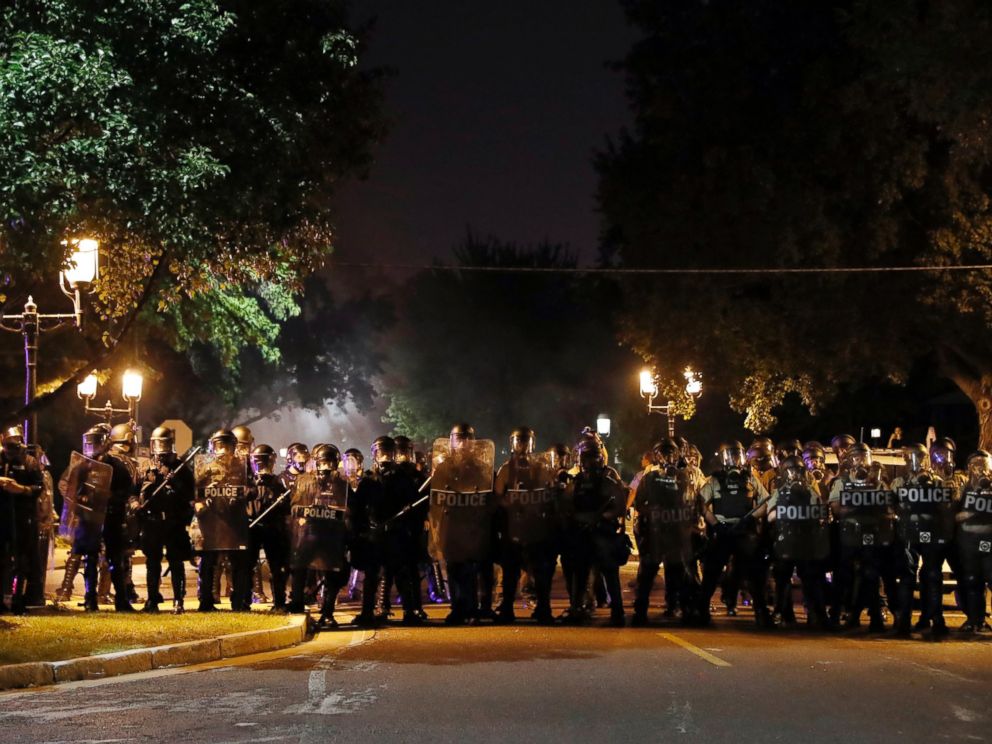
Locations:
682 271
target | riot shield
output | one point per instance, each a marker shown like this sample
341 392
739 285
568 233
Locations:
461 503
222 490
666 518
802 526
868 519
319 523
86 488
529 499
926 512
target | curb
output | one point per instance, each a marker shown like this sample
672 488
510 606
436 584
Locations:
101 666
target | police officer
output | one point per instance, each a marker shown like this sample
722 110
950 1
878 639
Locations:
861 502
268 511
596 500
926 529
368 513
800 519
666 516
246 441
974 537
730 497
164 510
96 445
223 445
21 484
124 447
297 459
324 487
527 523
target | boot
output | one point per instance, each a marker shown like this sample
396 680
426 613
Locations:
104 582
17 604
118 575
257 589
90 603
177 607
72 565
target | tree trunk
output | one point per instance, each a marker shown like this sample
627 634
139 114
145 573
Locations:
974 376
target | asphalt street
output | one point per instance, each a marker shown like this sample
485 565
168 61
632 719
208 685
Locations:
730 683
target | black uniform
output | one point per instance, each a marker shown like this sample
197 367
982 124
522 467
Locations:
163 520
19 527
974 537
271 534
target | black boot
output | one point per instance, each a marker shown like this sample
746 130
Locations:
90 603
72 564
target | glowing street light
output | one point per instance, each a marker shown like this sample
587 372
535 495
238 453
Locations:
603 425
650 391
131 388
81 270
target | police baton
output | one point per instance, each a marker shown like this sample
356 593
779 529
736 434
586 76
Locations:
410 507
172 474
272 506
750 514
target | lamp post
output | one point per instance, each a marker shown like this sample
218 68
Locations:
649 390
131 387
603 425
83 270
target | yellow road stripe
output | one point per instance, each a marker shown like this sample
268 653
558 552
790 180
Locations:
693 649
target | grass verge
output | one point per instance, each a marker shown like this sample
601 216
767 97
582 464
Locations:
59 635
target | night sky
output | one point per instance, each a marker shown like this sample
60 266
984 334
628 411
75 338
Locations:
497 109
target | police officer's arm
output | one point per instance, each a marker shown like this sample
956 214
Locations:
960 515
770 506
501 483
836 487
706 500
760 495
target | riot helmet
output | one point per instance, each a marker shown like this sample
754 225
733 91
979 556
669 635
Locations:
297 457
223 442
353 463
761 454
122 439
162 441
815 460
731 456
859 461
590 454
404 449
917 459
840 444
13 443
96 440
522 441
980 469
326 457
792 470
460 433
668 453
588 433
788 448
245 440
694 457
942 455
383 451
263 460
561 456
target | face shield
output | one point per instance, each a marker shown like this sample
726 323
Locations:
14 449
916 459
262 464
815 464
353 465
859 464
942 461
161 446
732 458
521 444
980 471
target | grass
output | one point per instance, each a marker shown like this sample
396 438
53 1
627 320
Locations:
66 634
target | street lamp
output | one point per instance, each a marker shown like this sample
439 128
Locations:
649 390
82 269
131 385
603 425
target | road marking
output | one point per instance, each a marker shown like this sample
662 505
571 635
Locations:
693 649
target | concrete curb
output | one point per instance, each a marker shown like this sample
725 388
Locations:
41 673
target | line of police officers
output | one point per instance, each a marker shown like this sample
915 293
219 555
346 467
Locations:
762 511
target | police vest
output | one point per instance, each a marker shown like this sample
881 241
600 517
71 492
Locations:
735 497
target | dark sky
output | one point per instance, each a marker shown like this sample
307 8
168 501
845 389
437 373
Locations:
497 109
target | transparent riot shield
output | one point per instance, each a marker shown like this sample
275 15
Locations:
868 516
85 485
666 517
222 499
926 512
461 503
801 526
529 498
319 523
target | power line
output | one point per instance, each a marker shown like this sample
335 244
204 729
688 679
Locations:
655 271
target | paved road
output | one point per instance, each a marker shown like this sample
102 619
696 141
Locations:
525 683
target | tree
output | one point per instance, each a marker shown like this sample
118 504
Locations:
504 349
826 134
200 140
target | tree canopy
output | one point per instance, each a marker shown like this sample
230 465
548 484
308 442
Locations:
824 134
201 138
